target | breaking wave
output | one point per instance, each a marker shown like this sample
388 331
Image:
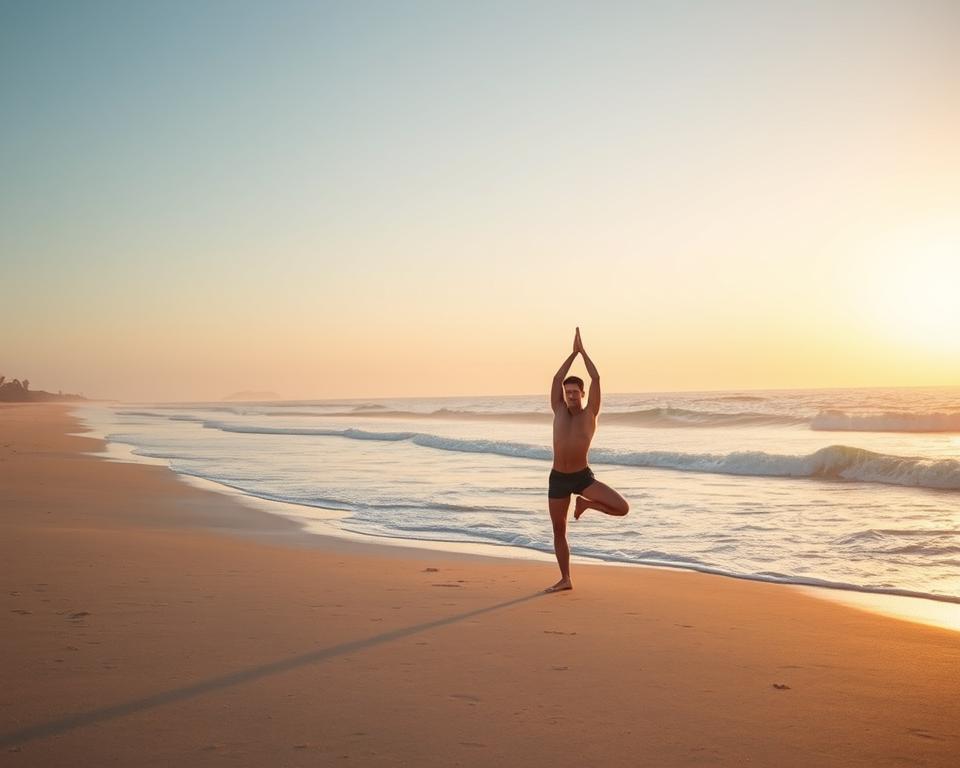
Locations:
836 462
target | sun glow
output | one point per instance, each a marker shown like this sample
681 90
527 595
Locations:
912 288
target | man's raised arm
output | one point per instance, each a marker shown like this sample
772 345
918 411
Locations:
593 397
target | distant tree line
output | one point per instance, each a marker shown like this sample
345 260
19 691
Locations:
17 391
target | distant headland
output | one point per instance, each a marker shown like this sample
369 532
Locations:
17 391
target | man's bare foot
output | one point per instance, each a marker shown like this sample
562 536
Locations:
560 586
579 507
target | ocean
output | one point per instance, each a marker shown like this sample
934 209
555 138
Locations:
857 489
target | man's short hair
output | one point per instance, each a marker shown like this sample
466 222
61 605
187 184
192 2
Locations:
574 380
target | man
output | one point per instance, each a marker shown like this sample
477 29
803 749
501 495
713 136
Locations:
573 429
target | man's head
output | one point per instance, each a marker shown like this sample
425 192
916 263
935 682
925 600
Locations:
573 391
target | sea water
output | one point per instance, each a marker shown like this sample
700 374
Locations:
857 489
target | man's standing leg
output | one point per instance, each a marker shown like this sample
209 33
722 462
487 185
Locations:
558 516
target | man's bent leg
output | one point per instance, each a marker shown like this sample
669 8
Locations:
601 497
558 516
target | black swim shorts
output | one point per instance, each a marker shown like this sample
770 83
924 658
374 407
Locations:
562 484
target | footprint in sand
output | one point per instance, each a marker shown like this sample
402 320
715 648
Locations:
465 697
924 734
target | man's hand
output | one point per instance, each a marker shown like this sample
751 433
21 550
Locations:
577 343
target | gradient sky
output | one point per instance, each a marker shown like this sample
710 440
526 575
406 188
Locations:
423 198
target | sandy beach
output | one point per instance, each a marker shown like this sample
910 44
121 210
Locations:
147 622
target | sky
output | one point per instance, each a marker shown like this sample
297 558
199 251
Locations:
340 199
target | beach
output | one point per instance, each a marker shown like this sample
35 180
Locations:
147 621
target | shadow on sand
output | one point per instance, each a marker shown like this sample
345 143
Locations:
81 719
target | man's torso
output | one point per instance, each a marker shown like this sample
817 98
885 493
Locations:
572 434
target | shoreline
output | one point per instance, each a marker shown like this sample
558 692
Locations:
136 632
932 610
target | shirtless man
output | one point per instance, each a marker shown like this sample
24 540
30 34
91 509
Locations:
573 428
